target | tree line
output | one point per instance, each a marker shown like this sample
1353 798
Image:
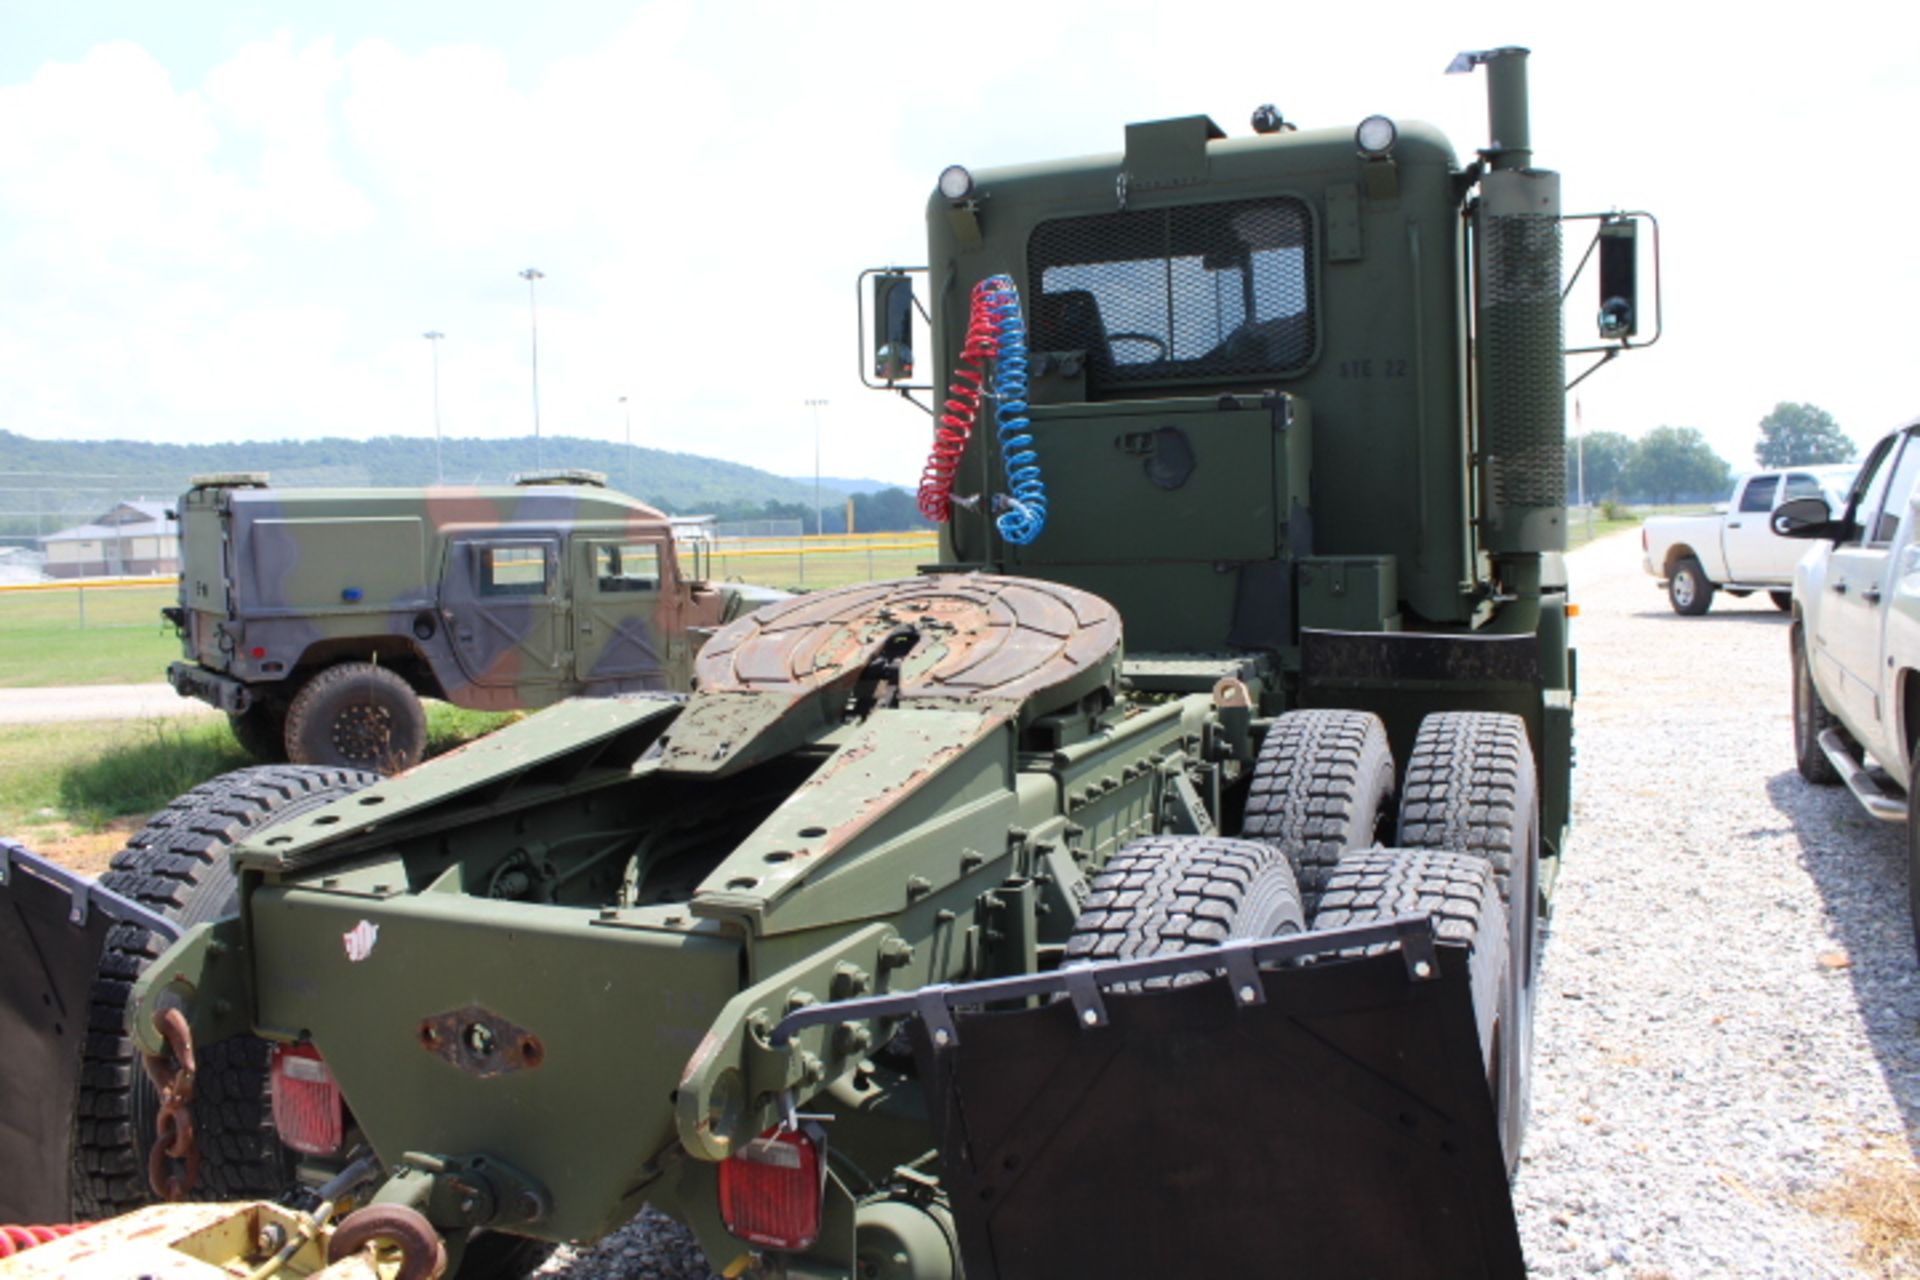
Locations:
1676 464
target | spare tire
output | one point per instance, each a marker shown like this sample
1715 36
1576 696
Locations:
177 864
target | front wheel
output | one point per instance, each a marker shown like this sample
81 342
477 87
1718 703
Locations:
1810 716
1688 589
1913 854
1782 600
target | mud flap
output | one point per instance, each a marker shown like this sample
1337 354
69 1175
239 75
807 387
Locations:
1324 1119
53 927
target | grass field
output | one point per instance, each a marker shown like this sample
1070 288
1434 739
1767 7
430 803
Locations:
92 635
75 791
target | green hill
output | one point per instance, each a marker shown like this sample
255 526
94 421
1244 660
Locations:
49 484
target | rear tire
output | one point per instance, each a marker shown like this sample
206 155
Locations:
1460 894
261 731
1319 789
1167 894
177 865
1688 589
359 716
1471 789
1810 716
1782 600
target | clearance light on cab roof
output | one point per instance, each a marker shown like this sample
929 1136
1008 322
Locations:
771 1189
307 1110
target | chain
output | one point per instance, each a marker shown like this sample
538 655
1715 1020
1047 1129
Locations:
172 1074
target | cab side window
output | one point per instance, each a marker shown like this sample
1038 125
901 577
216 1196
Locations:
627 567
1863 500
513 570
1758 495
1893 504
1800 485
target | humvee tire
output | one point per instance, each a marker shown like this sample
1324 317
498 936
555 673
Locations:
1165 894
1688 589
176 864
357 715
1319 789
261 731
1459 893
1810 716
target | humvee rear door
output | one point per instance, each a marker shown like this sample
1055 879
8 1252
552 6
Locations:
621 625
504 600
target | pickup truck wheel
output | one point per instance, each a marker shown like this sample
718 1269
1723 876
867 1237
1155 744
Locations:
1688 589
1319 789
1459 892
1167 894
1471 789
1810 716
177 864
1913 853
261 731
358 715
1782 600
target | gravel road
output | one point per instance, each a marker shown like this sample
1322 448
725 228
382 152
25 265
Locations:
97 702
1727 1073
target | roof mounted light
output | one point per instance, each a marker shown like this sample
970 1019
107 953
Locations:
1375 137
955 182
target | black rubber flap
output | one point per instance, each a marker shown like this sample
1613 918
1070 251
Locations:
47 966
1343 1128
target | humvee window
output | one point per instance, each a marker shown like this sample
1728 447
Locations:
513 571
635 567
1208 291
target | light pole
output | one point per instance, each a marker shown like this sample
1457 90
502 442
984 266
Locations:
628 410
533 315
433 337
819 526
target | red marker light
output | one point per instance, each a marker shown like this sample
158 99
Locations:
307 1109
771 1190
257 652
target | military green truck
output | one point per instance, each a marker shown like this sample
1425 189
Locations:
1151 887
318 618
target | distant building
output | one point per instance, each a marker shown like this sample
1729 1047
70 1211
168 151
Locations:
135 539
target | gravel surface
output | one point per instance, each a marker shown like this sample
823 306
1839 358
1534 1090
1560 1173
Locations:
1726 1064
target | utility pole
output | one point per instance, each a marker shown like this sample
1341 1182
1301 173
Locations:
819 525
433 337
533 314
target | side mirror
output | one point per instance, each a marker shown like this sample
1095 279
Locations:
892 326
1619 240
1806 518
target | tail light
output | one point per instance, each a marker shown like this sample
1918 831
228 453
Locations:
307 1110
771 1189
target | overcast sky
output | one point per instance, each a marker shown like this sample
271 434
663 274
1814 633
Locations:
229 220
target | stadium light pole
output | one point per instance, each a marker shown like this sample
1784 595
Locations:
433 337
628 410
819 525
530 275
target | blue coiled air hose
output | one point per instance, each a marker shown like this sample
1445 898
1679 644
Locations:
1026 500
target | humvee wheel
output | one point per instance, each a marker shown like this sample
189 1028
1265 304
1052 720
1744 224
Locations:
1167 894
1459 892
358 715
1470 788
1319 789
177 864
261 731
1810 716
1688 589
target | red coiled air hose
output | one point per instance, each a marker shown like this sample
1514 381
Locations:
14 1239
950 434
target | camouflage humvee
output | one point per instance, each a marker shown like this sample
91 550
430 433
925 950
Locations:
318 618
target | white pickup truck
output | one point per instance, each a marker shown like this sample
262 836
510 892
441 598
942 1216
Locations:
1734 549
1855 640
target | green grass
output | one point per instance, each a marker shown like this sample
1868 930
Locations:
59 779
43 642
